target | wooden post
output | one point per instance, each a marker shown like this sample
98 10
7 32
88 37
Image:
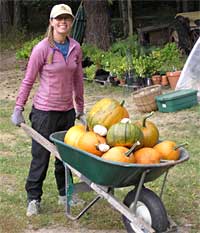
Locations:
178 6
185 6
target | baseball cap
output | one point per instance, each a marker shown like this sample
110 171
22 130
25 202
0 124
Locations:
59 10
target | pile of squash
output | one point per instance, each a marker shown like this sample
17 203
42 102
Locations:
111 135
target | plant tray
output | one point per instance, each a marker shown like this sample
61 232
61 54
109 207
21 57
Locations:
177 100
144 99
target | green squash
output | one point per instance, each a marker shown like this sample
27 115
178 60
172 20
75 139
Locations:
124 134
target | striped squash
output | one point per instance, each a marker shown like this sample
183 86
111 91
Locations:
106 112
124 134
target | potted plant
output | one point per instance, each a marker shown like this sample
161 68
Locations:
98 70
173 78
117 66
145 67
164 79
171 62
154 67
90 72
121 60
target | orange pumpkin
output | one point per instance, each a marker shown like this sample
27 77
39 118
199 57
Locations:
150 131
117 154
147 155
89 142
121 154
73 135
168 149
106 112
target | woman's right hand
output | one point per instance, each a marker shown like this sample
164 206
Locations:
17 117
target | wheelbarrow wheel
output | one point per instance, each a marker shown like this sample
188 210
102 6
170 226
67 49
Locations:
149 207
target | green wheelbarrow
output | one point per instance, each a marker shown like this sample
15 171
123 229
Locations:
142 210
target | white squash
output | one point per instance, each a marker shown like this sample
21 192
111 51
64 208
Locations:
125 120
100 129
103 147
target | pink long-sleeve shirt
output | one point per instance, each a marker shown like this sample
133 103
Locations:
60 83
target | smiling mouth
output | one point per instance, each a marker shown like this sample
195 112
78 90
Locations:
63 26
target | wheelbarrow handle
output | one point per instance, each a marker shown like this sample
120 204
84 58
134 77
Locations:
40 139
46 144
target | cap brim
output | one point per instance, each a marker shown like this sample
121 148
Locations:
62 13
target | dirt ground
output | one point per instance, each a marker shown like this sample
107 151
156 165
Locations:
10 78
70 230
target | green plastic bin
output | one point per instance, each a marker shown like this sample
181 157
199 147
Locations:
176 100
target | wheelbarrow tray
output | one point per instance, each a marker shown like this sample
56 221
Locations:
108 173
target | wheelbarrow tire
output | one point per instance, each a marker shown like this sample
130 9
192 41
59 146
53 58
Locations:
151 206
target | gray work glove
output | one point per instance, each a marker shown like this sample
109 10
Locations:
81 117
17 117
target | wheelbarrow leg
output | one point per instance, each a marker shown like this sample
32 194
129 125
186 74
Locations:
139 188
163 184
69 192
68 188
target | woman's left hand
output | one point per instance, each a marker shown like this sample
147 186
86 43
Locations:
81 117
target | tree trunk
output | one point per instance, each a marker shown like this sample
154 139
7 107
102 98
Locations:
5 19
97 24
17 14
123 5
130 18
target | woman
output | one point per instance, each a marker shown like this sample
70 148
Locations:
56 60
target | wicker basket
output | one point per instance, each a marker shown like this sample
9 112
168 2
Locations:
144 99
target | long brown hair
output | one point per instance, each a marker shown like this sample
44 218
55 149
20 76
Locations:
49 35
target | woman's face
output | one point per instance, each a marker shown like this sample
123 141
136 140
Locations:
62 24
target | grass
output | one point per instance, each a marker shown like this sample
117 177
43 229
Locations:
181 194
